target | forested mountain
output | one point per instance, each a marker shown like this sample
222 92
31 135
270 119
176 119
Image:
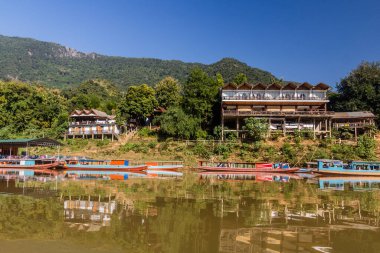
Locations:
58 66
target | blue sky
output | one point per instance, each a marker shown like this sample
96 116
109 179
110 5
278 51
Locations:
299 40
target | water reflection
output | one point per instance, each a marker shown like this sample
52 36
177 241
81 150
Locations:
190 215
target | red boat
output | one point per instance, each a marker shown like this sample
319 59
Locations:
31 164
245 167
255 176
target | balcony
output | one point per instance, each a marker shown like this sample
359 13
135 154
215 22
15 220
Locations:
311 113
89 132
273 96
91 123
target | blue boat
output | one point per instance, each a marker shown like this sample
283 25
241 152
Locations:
352 168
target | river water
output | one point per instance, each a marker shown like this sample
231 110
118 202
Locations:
191 215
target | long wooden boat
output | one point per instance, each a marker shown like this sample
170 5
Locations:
31 164
352 168
245 167
164 165
102 165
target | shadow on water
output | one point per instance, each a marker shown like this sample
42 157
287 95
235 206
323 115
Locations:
191 215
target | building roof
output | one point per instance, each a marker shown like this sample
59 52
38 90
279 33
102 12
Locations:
286 86
40 142
353 115
90 113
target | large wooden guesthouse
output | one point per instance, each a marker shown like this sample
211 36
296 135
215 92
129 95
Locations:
287 107
92 124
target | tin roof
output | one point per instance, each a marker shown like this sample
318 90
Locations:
40 142
353 115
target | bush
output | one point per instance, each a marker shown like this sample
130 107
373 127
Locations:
202 151
366 147
223 150
102 143
288 152
145 132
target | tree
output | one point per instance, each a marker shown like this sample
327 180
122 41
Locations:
176 123
138 103
360 90
200 95
168 92
240 78
256 128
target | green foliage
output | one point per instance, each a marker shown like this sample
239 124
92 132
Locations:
288 152
24 106
168 92
145 132
359 91
96 94
256 128
366 147
176 123
58 66
202 151
240 78
200 96
138 103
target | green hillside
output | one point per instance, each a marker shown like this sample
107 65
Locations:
58 66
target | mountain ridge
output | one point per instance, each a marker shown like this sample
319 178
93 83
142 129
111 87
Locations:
54 65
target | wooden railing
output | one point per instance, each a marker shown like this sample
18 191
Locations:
352 125
263 98
90 123
235 112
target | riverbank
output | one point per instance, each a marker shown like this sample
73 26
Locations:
147 146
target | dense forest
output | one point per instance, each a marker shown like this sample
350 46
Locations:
57 66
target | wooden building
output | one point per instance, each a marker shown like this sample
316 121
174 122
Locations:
287 107
92 124
357 122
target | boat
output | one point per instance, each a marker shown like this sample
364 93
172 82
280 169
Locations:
102 165
308 168
28 164
163 173
245 167
352 168
164 165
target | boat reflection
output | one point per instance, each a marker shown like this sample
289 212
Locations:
254 176
349 183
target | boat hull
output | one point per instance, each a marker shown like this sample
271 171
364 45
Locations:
165 167
349 173
29 167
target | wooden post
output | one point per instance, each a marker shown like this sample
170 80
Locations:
222 126
356 132
237 127
314 128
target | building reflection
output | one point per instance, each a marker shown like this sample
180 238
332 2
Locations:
89 215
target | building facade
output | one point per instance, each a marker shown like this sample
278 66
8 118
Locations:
92 124
288 108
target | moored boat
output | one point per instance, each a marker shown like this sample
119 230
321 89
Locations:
352 168
246 167
164 165
102 165
28 164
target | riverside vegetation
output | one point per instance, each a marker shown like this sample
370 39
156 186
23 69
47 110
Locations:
191 112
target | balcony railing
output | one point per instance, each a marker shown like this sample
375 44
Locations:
280 98
92 132
353 125
235 112
89 123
